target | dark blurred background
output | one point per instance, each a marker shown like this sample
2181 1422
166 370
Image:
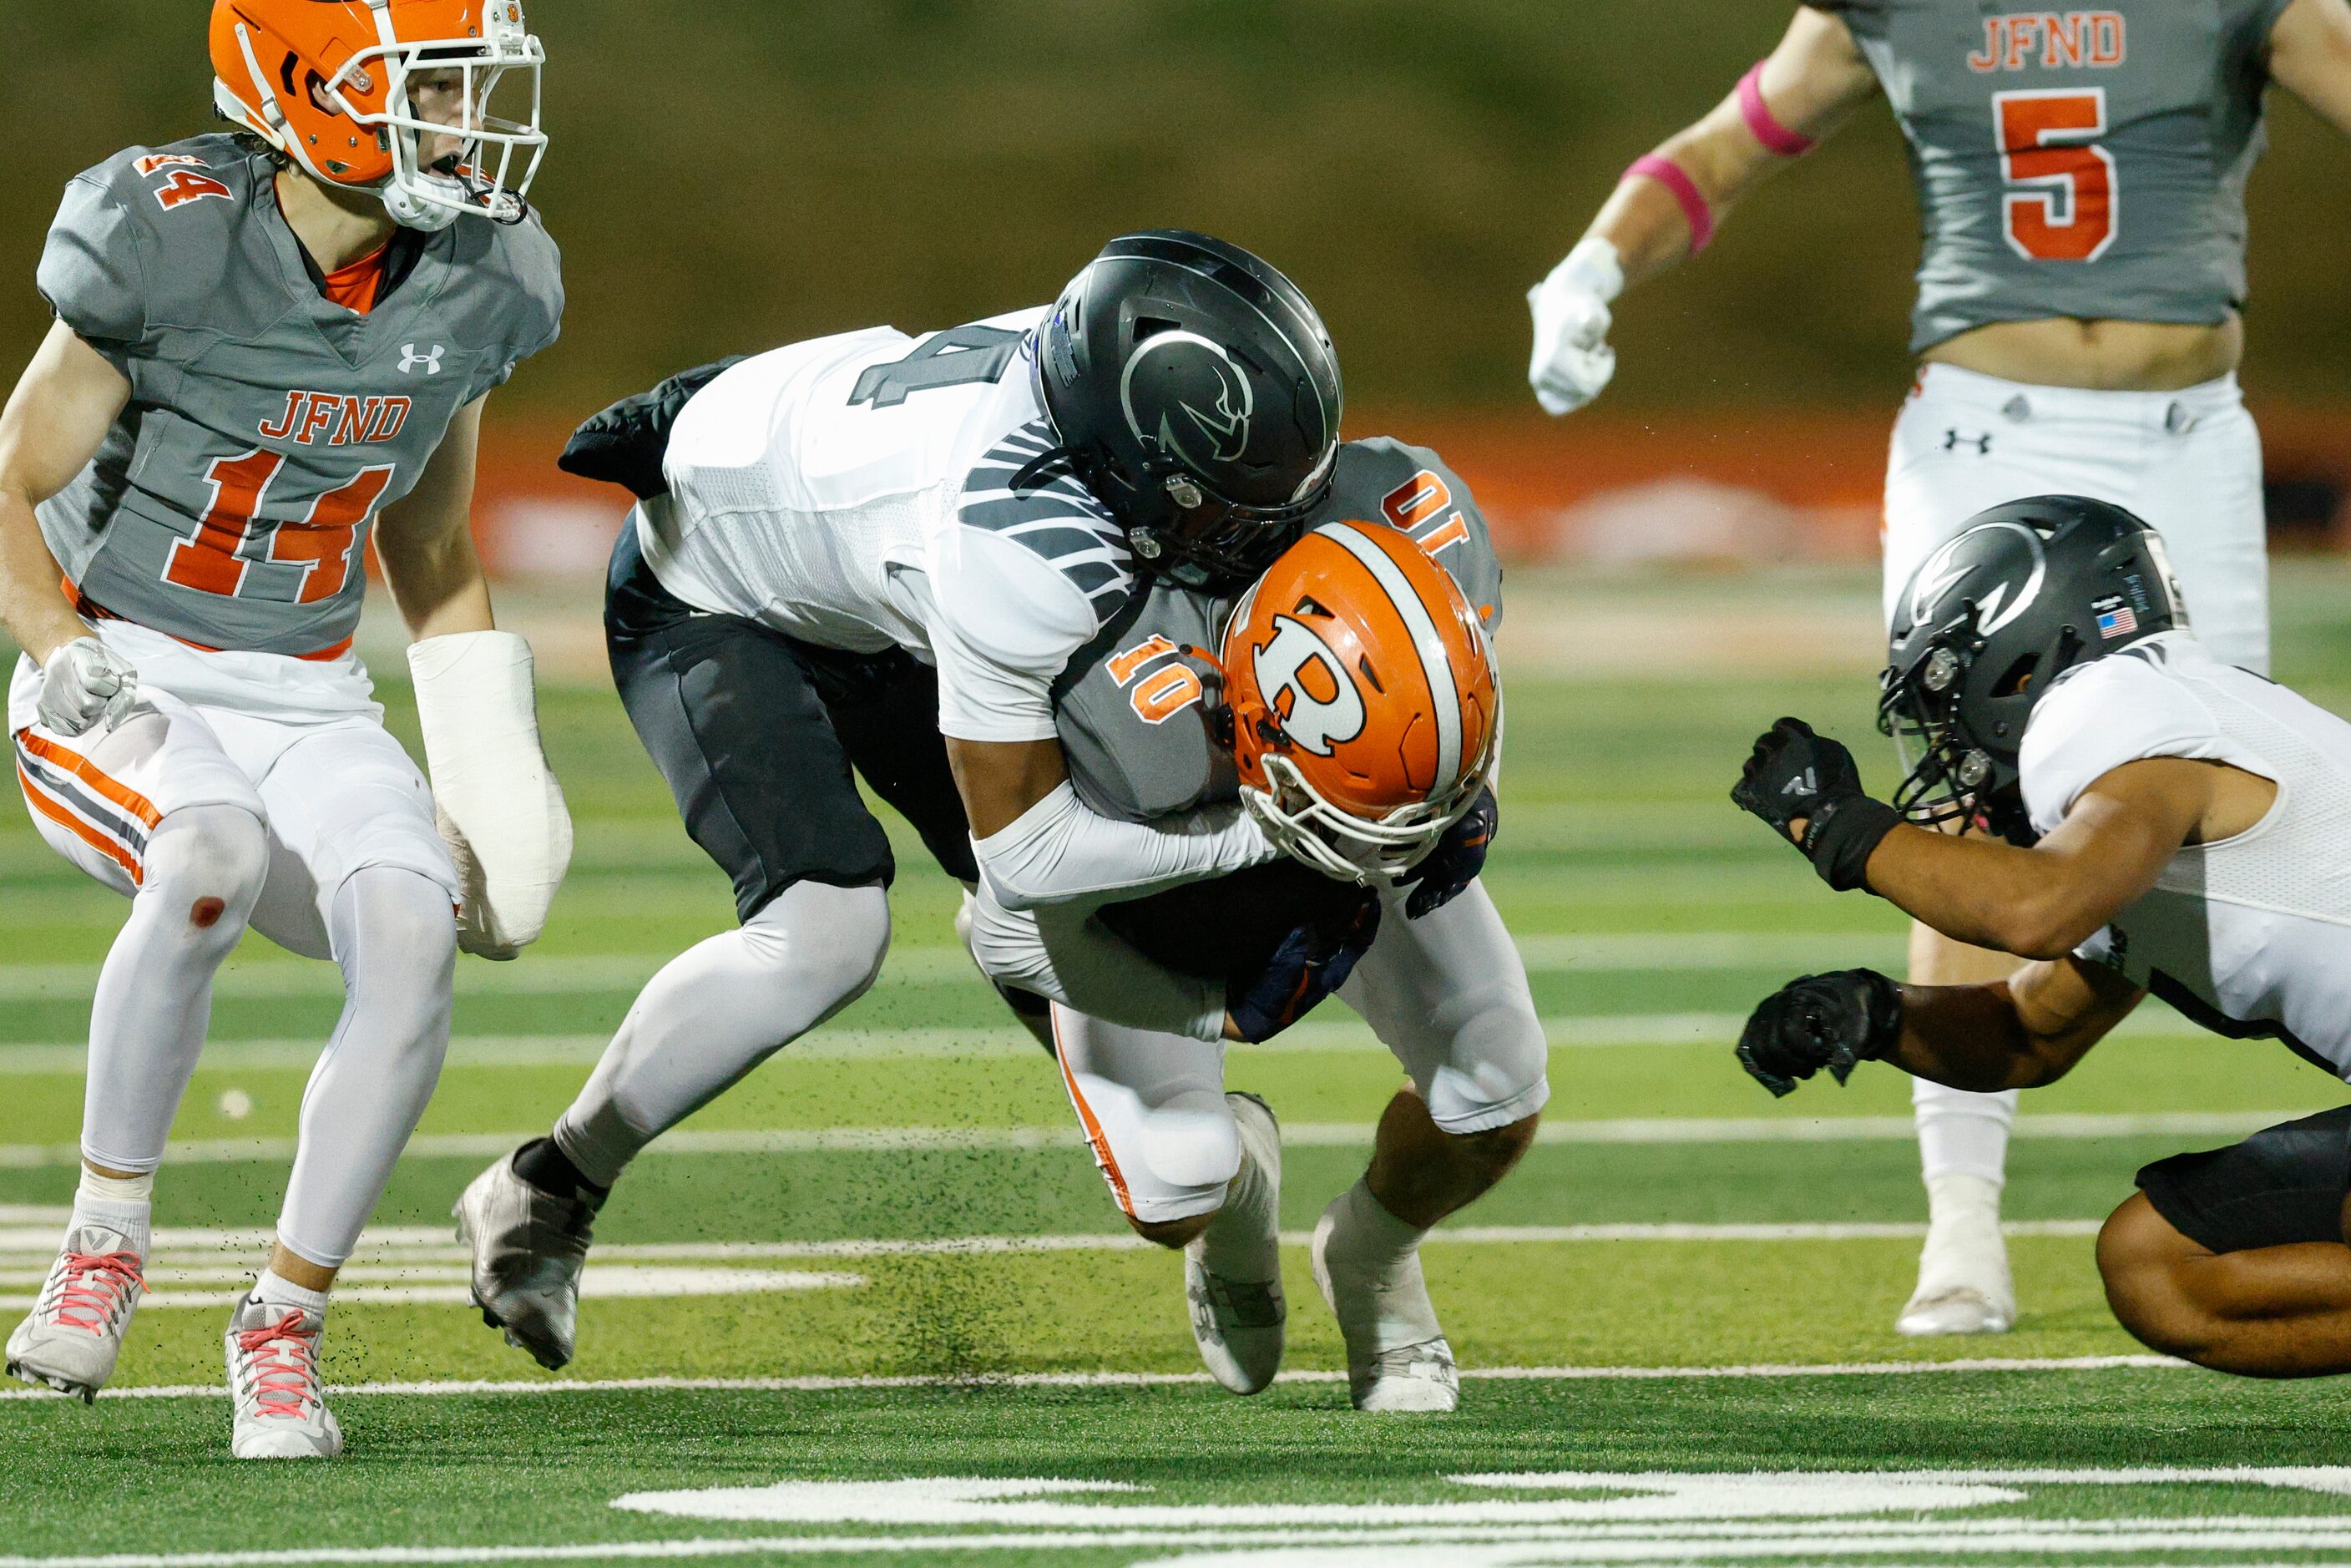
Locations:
729 175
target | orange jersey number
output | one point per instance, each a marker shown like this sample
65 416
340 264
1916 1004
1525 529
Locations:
215 559
2066 210
1162 693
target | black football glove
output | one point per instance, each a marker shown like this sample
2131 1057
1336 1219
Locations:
1311 961
1792 773
1447 871
625 444
1835 1021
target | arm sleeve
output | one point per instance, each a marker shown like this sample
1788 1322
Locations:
1057 853
1005 625
92 272
2103 715
1072 958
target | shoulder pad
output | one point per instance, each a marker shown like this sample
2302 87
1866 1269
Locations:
1014 492
512 292
139 238
1382 479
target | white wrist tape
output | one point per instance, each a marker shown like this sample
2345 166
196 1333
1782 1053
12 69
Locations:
494 795
1058 851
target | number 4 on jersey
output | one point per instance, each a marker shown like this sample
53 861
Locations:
954 357
2068 209
230 540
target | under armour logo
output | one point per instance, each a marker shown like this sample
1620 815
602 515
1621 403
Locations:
409 358
1953 441
1802 784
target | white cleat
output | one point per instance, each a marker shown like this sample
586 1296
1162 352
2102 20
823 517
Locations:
1238 1322
273 1382
529 1249
1964 1285
1397 1359
71 1338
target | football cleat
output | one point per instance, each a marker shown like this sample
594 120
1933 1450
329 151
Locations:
1397 1359
529 1249
71 1338
1964 1285
1238 1314
280 1410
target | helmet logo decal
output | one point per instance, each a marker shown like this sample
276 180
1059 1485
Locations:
1202 399
1309 690
1995 609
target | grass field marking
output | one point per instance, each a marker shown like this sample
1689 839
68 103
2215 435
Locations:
466 1387
450 1286
1297 1134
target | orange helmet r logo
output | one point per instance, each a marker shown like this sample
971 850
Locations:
1302 680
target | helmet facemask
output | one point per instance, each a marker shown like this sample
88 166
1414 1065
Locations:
499 141
1950 782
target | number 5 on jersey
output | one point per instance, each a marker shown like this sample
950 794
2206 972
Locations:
2072 196
230 540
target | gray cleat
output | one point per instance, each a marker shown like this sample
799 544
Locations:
71 1338
529 1249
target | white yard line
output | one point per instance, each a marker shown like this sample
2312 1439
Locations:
457 1387
1637 952
1327 1135
420 1254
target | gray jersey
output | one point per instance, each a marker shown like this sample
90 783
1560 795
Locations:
1129 708
2084 163
229 507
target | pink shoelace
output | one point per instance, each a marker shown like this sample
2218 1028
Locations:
90 1285
281 1361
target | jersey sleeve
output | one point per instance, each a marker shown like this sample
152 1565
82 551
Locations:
2247 25
2101 715
93 271
1006 623
533 315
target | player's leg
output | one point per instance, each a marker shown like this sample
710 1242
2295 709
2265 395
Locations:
1447 994
359 874
155 811
1194 1168
734 721
1965 442
2202 492
2235 1258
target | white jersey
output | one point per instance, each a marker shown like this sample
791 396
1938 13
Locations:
855 492
2251 935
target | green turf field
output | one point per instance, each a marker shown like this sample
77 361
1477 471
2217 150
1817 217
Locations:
879 1297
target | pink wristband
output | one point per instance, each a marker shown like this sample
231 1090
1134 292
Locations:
1667 173
1775 137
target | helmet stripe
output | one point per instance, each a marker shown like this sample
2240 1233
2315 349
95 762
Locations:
1425 640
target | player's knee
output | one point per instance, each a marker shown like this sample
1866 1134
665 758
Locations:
1189 1142
1489 1154
1173 1234
2141 1262
211 860
823 940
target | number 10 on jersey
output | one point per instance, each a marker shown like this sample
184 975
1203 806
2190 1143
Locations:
2067 209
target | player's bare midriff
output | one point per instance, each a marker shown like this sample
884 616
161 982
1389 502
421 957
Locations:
2097 356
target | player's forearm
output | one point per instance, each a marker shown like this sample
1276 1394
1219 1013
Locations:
33 606
1060 853
1989 893
1649 225
1979 1037
436 581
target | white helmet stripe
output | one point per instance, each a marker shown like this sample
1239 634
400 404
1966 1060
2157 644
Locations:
1425 639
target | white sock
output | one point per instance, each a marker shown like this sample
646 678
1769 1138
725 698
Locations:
124 1205
1370 1246
272 1289
1962 1133
1248 1250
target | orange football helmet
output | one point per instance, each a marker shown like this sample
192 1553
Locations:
1367 711
328 83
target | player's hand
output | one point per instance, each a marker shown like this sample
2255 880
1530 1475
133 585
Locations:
1447 871
1806 786
1834 1020
1311 961
86 685
1571 360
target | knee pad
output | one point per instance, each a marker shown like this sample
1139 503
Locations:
207 853
1190 1142
1498 1069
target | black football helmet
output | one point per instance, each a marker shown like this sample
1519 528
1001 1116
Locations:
2025 593
1196 393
